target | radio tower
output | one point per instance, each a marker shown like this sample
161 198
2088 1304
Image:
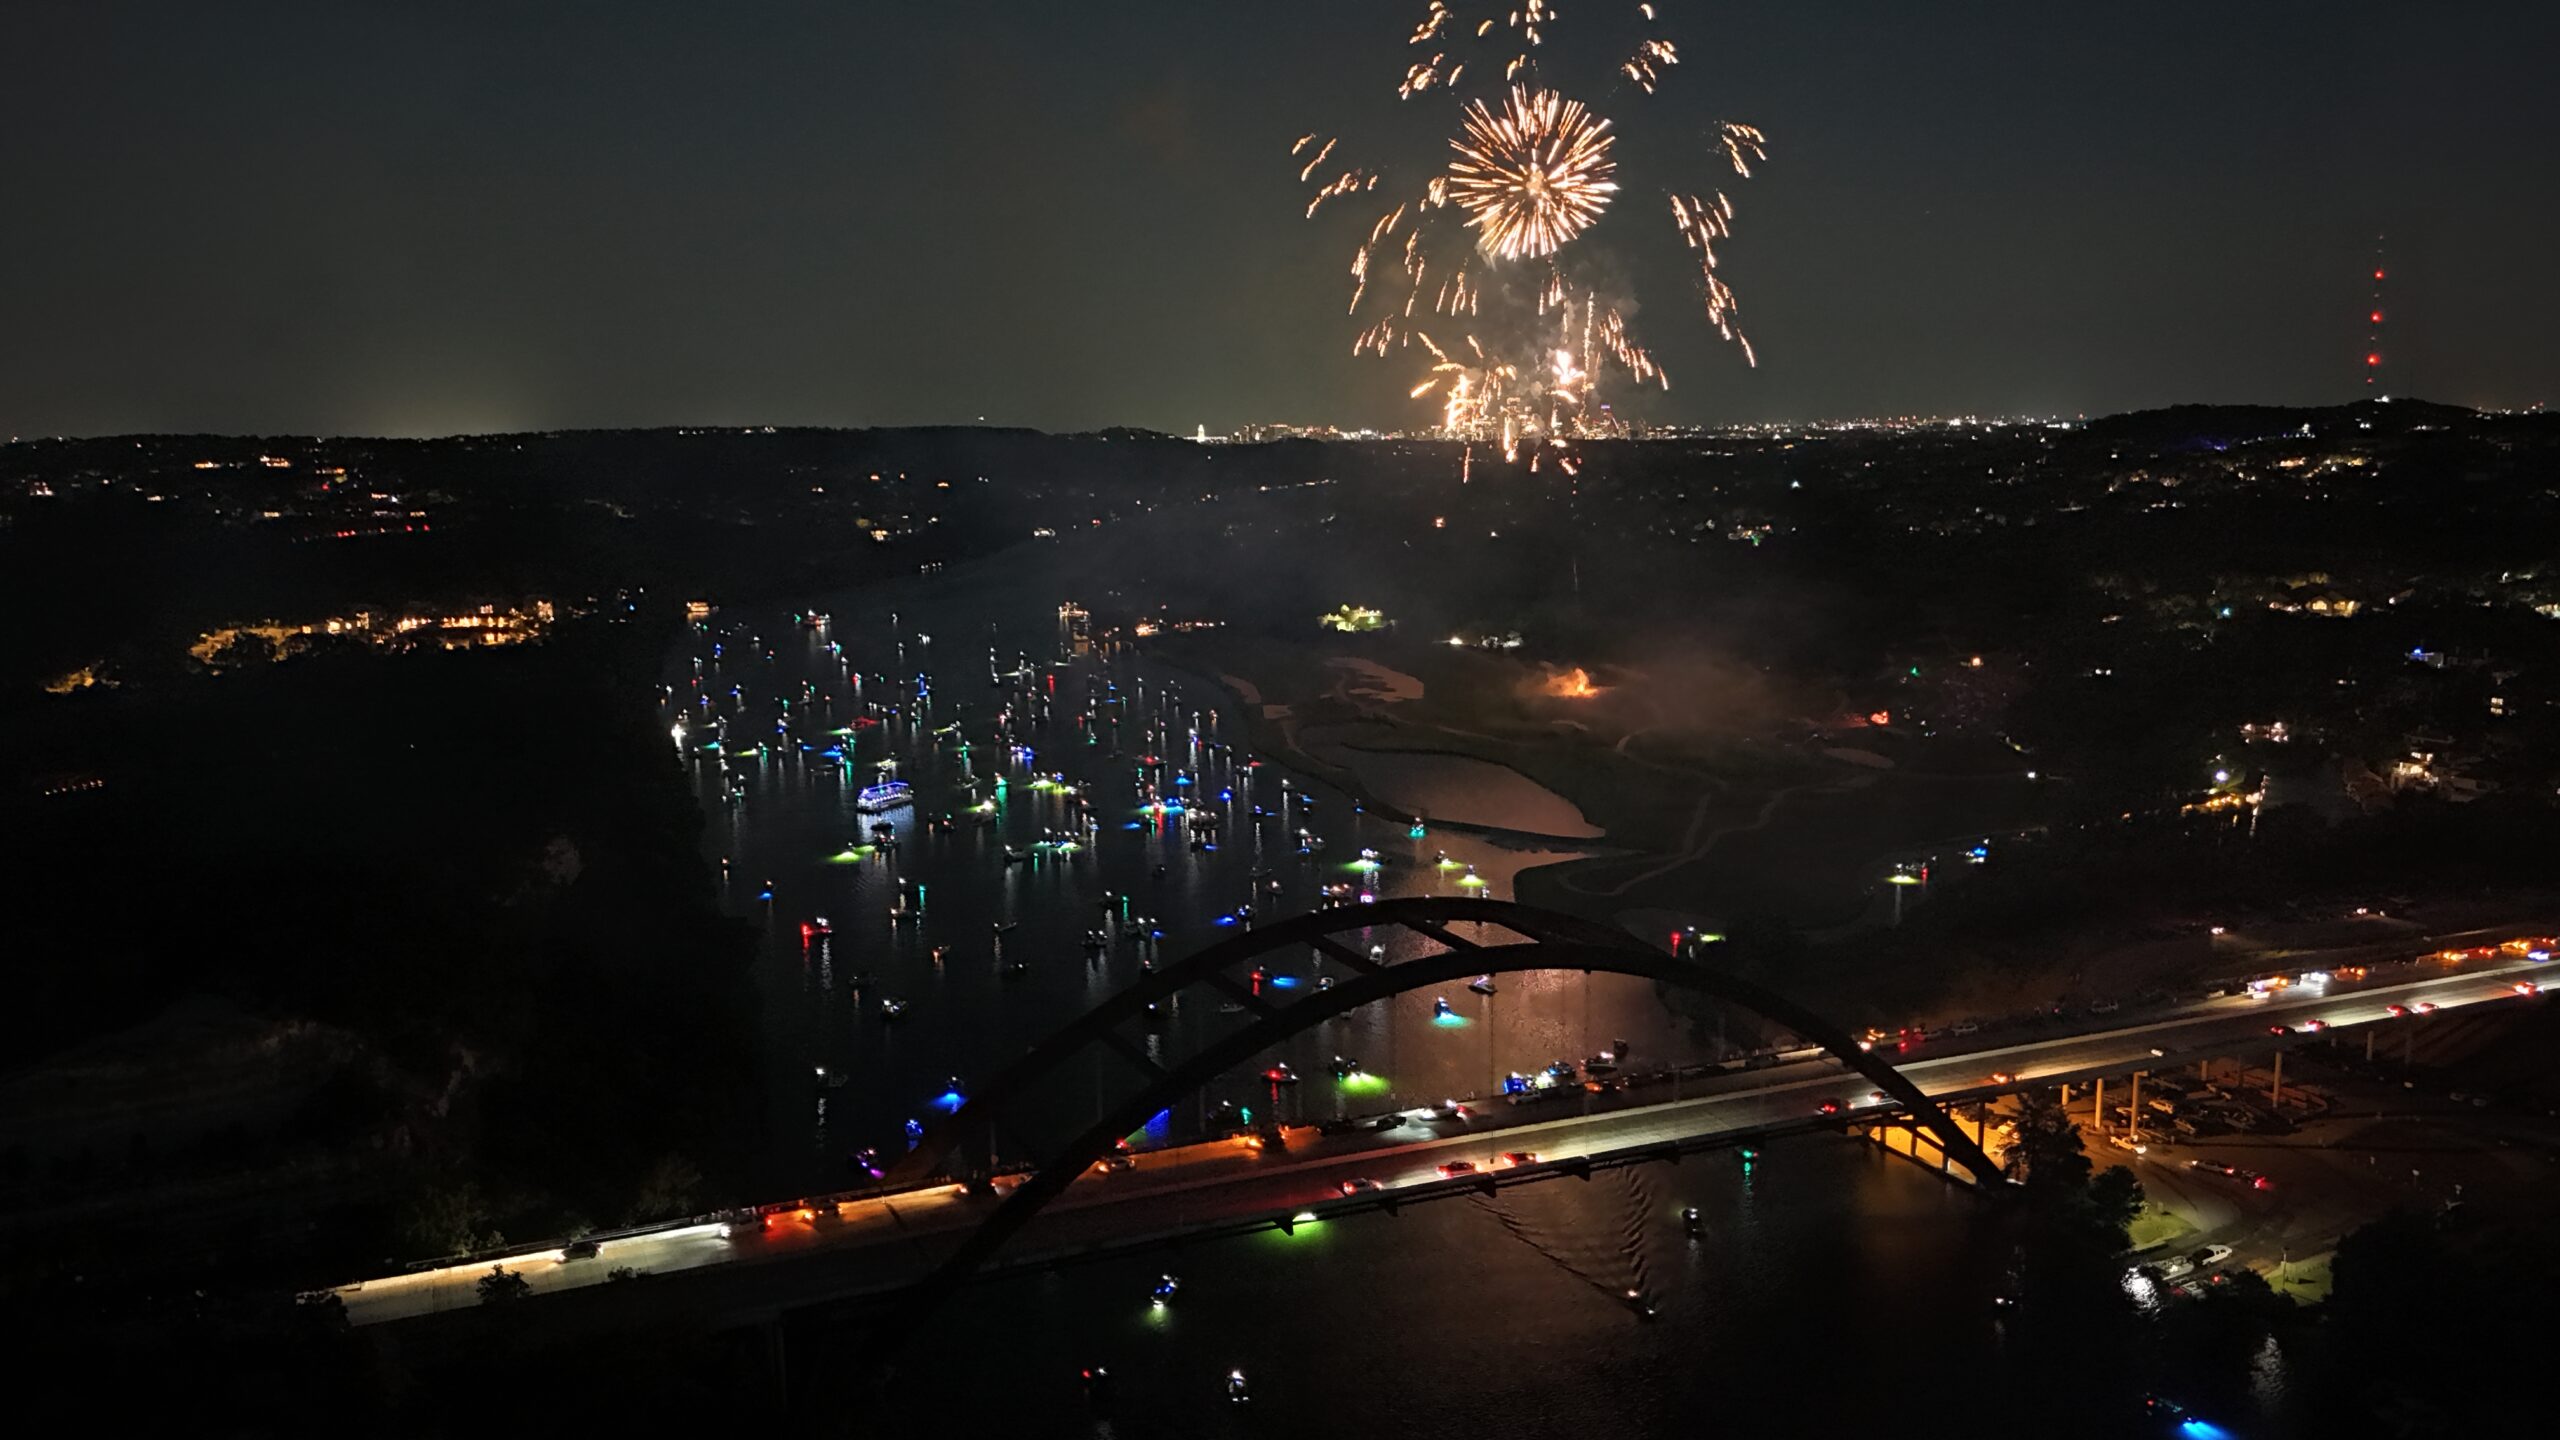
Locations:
2373 321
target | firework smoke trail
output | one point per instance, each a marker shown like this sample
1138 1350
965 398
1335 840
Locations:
1530 171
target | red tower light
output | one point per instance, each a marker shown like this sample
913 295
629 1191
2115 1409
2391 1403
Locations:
2377 317
2373 359
2377 274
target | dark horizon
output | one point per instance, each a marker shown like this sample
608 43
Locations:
483 220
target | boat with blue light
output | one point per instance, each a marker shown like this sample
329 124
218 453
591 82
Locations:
887 795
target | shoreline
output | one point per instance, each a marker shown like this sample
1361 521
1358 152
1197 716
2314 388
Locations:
1291 756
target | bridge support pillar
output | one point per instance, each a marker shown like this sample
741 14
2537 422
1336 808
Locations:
2133 1112
1915 1144
2098 1108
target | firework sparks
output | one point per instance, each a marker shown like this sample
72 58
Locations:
1527 175
1349 182
1652 57
1533 174
1319 157
1743 145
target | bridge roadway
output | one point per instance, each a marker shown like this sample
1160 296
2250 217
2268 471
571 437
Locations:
881 1242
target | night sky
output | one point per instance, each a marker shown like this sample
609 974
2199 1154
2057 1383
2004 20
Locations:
368 217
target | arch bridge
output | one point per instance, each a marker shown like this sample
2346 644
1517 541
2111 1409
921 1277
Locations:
1542 940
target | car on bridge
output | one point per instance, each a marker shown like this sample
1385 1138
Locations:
1519 1157
2000 1077
1828 1107
2242 1174
1361 1185
1452 1169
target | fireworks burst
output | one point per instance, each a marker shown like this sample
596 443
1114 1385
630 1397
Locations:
1534 172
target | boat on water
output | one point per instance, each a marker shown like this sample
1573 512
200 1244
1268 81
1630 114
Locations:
887 795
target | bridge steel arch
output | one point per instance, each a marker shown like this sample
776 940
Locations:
1210 968
1554 942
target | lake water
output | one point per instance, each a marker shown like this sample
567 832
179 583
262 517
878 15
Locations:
1471 1318
784 819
